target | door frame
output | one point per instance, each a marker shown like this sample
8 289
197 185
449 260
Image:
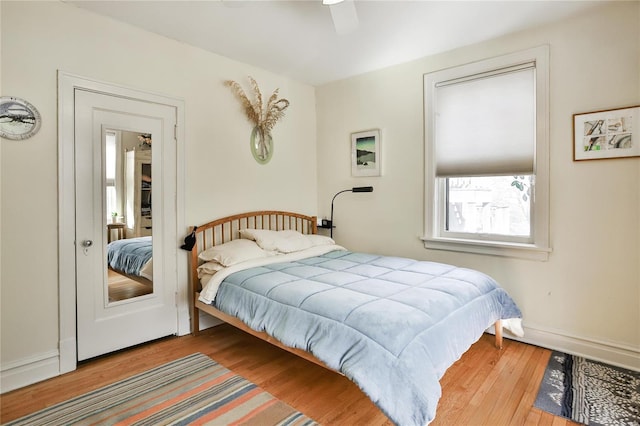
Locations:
67 84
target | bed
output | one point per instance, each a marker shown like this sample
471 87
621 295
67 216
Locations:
392 325
131 256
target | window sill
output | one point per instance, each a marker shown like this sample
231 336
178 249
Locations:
521 251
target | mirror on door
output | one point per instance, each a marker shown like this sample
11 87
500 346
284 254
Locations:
129 216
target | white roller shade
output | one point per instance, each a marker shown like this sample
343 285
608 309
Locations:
485 124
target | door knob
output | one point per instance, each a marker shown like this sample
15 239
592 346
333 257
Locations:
87 243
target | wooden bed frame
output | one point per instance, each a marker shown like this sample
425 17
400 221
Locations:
226 229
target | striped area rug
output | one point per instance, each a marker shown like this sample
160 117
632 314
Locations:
192 390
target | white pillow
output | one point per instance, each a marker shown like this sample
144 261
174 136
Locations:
254 234
286 241
319 240
209 268
233 252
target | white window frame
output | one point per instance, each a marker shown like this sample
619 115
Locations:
538 248
118 181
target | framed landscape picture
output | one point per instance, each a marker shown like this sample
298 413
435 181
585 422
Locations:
613 133
365 153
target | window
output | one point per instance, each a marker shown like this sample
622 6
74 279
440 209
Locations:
113 173
486 146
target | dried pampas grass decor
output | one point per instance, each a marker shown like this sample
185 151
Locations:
273 112
264 119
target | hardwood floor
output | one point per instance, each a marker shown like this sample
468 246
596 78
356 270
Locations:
122 287
485 387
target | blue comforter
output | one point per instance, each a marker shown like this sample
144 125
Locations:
129 255
392 325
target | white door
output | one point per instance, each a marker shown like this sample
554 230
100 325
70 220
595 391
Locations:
105 325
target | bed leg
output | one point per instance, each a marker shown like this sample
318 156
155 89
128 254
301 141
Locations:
498 327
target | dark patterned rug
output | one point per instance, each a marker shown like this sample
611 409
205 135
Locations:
590 392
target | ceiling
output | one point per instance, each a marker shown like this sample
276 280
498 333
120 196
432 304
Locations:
297 39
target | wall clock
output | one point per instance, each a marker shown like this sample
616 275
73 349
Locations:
18 118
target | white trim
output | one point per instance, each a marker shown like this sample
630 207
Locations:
611 353
26 371
183 295
208 321
68 353
34 369
67 83
515 250
540 227
491 73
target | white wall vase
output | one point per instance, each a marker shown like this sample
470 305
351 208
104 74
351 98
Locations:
261 144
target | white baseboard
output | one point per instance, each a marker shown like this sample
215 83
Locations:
34 369
208 321
17 374
611 353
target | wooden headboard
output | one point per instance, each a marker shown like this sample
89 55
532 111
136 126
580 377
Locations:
225 229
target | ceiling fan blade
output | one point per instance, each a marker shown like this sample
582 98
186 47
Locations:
345 17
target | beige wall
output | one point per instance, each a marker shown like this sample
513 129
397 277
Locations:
40 38
586 298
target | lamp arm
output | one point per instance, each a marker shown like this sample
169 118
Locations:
334 197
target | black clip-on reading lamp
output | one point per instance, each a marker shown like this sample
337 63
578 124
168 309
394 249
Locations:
354 189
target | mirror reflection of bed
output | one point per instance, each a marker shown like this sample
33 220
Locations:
128 211
130 268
